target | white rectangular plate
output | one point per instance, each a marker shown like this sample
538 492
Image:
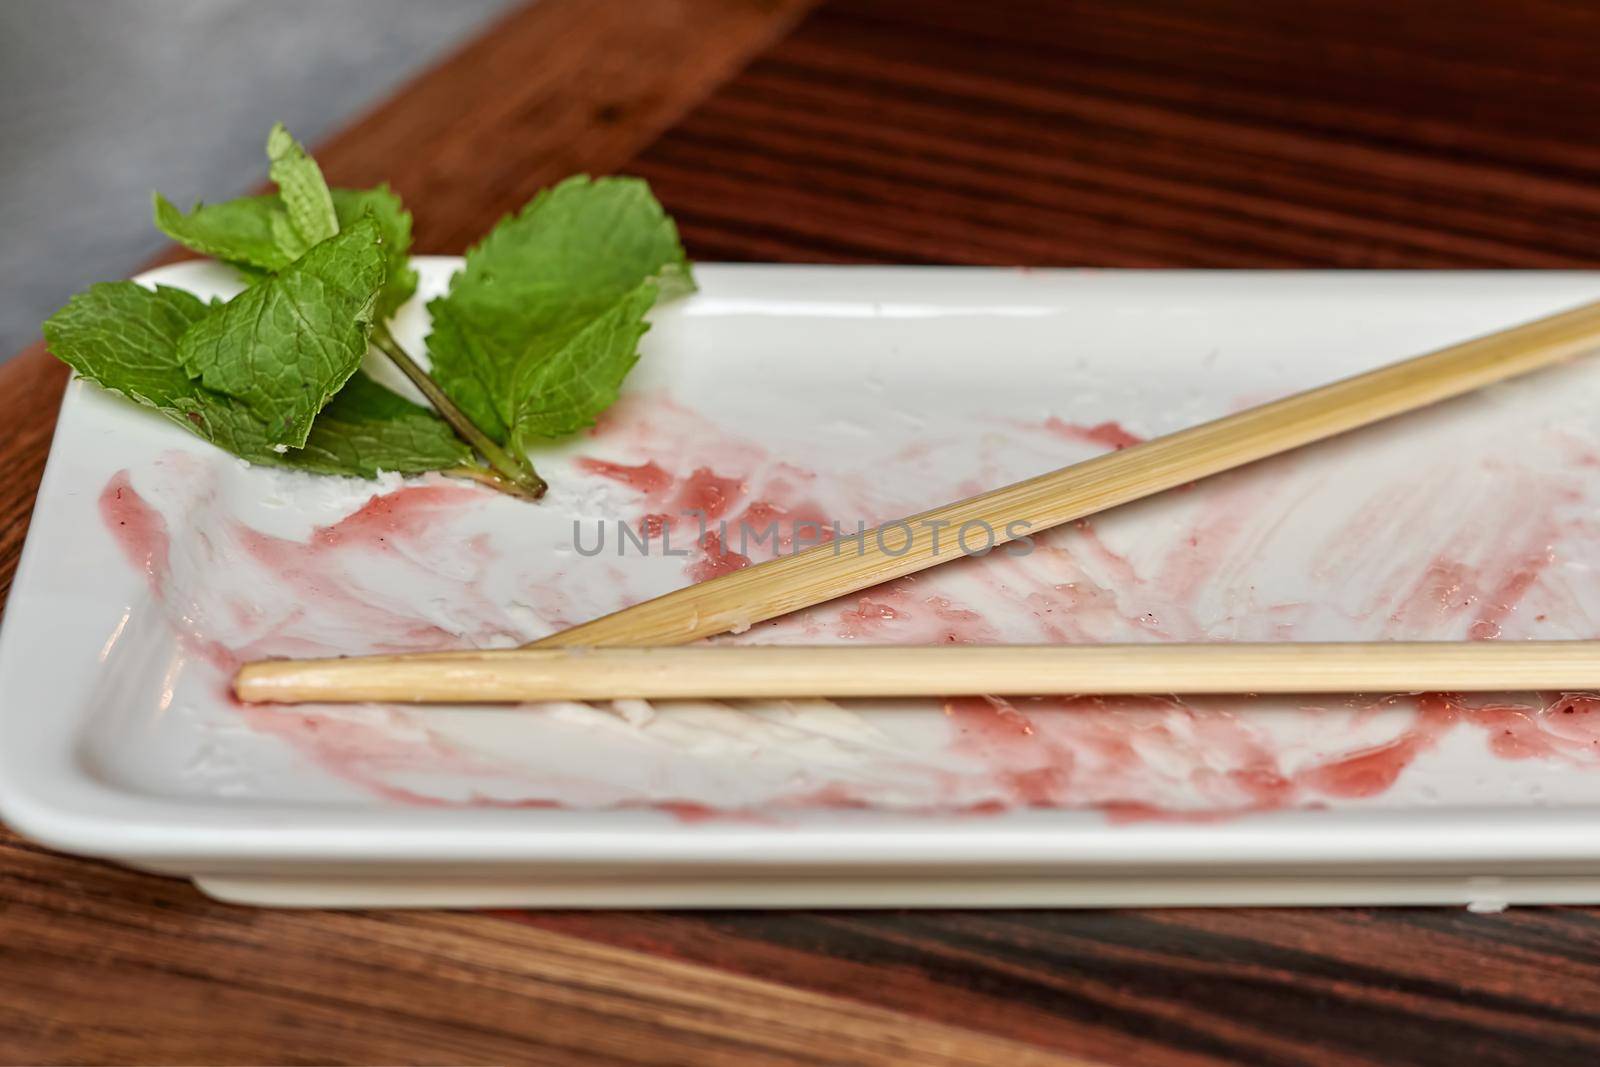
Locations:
848 395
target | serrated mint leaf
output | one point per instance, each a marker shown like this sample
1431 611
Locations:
241 233
125 338
464 347
308 218
394 222
367 429
519 316
564 393
532 341
285 346
238 232
364 430
264 234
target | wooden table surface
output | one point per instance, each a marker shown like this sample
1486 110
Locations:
1181 133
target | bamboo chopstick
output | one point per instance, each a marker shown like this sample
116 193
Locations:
818 574
726 672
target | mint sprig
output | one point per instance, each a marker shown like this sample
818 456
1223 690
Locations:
239 232
127 338
542 324
284 347
531 342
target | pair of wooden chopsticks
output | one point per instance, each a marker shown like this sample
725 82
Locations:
543 672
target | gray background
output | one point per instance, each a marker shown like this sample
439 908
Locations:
102 101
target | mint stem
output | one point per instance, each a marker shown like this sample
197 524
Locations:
512 473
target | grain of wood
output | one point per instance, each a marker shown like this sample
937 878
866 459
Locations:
1557 965
30 397
1192 986
557 88
1170 133
402 988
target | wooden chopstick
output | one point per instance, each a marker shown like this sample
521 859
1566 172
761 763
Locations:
730 671
777 587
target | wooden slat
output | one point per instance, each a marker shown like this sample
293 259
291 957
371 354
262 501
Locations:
559 87
30 396
1321 987
1171 133
107 966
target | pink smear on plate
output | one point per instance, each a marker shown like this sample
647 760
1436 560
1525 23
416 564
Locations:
1485 573
1108 435
139 529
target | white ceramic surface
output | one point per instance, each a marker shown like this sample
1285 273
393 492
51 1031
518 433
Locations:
848 394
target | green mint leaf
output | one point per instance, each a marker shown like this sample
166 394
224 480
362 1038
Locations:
308 218
563 394
238 232
125 338
267 233
367 429
363 430
394 223
456 349
241 233
285 346
552 288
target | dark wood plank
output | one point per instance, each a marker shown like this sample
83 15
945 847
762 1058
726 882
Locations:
100 965
1222 133
1269 986
1169 132
560 87
30 396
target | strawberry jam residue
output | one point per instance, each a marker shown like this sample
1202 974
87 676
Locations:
255 594
1566 727
1062 751
643 478
1370 772
697 504
707 493
866 617
1457 551
1107 435
407 512
717 561
139 529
